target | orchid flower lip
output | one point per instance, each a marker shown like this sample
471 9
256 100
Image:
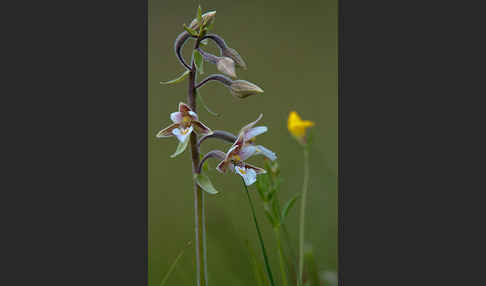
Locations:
182 133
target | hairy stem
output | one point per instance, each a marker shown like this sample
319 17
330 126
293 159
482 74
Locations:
200 224
264 252
302 215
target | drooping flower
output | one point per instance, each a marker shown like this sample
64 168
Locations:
185 121
297 127
235 161
227 66
249 136
242 88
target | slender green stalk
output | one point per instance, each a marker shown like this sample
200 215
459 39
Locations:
172 267
200 225
264 252
281 257
302 215
293 260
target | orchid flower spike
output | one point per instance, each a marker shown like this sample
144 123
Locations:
235 161
249 133
185 121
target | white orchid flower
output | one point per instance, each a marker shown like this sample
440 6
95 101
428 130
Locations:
235 161
250 132
185 121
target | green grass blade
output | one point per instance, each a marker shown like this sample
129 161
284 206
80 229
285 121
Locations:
260 238
172 267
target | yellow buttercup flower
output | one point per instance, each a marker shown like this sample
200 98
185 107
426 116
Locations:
297 126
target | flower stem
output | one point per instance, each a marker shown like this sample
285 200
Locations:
281 257
264 252
200 225
302 215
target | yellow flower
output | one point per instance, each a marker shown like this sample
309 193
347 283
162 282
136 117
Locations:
297 126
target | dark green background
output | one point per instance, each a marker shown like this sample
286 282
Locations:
291 51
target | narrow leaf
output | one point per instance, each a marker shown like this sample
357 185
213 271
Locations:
181 147
257 266
201 100
178 79
172 267
311 266
191 31
276 209
199 14
270 218
288 206
198 60
204 182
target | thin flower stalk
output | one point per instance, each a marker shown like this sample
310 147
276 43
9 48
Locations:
260 238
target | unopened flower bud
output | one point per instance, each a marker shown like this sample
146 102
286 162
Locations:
226 66
233 54
243 88
207 18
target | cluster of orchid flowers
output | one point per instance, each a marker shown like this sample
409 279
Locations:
185 121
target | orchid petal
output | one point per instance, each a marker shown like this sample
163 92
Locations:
176 117
247 151
233 150
231 167
201 128
182 134
184 108
250 125
223 166
249 175
256 169
193 115
253 132
266 152
167 132
239 141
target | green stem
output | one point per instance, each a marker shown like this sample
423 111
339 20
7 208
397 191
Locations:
293 260
265 258
200 225
302 216
281 257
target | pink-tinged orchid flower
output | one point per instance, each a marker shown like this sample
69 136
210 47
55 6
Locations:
249 133
185 121
234 161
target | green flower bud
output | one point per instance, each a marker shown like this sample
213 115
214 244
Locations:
233 54
207 18
243 88
226 66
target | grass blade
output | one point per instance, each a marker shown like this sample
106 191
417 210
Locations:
172 267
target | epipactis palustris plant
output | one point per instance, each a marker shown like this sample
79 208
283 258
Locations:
186 120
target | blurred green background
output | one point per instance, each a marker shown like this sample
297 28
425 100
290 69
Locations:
291 51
